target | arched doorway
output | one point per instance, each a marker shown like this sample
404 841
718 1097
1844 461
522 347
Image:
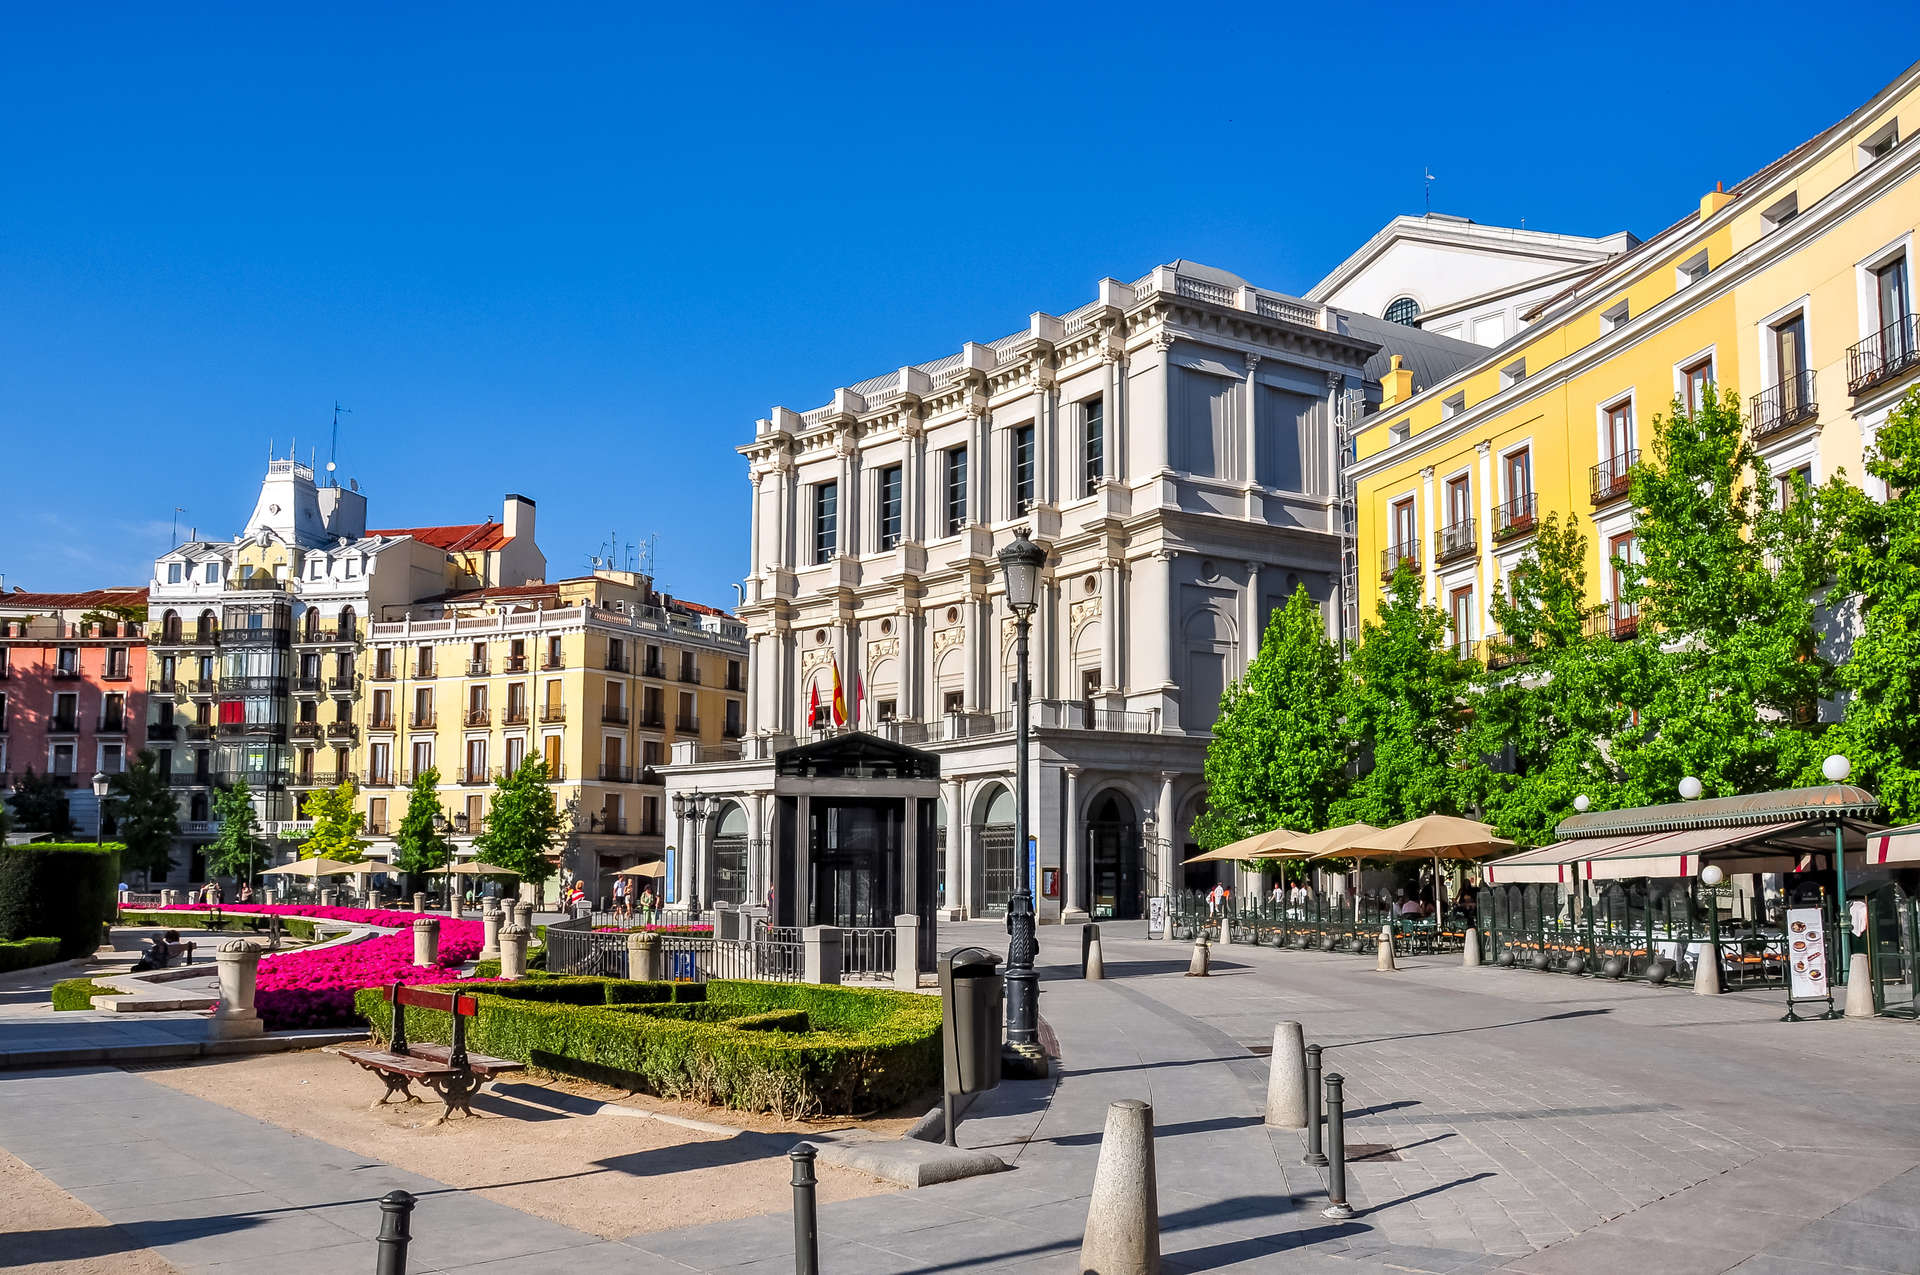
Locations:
993 840
730 858
1113 859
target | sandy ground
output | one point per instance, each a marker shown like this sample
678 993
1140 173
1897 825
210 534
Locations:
530 1148
45 1231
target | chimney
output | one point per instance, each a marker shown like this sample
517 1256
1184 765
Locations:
1714 200
1396 386
516 519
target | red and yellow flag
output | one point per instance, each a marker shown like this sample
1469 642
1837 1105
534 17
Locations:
839 697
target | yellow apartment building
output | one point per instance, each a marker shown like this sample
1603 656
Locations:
1792 289
598 675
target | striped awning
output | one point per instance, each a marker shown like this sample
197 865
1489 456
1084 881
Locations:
1895 845
1679 853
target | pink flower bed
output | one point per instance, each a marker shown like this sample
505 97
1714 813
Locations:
706 930
314 988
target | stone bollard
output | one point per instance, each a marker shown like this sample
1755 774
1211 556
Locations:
426 941
513 952
1197 963
1706 974
238 962
1470 949
643 956
329 898
820 954
1859 987
1226 928
1123 1217
523 915
420 904
1287 1077
906 952
1096 963
1383 952
490 922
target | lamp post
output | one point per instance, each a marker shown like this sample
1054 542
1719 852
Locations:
1836 769
702 806
1021 561
443 826
100 786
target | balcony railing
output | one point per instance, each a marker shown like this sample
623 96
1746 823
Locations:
253 730
516 664
616 774
64 674
344 731
382 673
1786 405
424 672
116 675
201 687
1884 355
317 778
479 668
379 778
306 730
421 721
553 712
320 635
381 723
1617 620
649 775
612 825
1454 541
257 582
656 720
1515 518
476 776
63 724
376 830
306 685
734 683
690 674
170 689
515 715
653 668
112 726
159 730
478 717
552 662
613 716
619 664
236 687
557 774
730 731
685 724
1393 557
1612 478
199 731
343 684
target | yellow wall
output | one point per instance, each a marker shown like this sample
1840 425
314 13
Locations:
1574 368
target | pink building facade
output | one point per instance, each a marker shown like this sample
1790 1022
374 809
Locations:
73 687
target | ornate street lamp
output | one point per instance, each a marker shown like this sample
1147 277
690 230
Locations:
100 786
1836 769
1021 562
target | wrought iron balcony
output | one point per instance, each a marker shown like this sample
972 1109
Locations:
478 717
1786 405
111 726
424 672
479 668
168 688
421 721
342 731
199 731
379 779
1515 518
613 716
654 668
319 778
1612 478
305 730
116 675
516 664
1394 557
306 687
1617 620
552 662
343 684
690 674
476 776
159 730
514 715
616 774
655 720
64 674
1884 355
685 724
381 723
553 712
383 673
1454 542
1504 652
203 687
63 724
618 663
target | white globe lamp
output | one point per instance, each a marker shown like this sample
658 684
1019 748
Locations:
1581 803
1712 875
1690 788
1836 768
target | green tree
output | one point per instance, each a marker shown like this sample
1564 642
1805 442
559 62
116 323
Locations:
1725 671
1406 707
418 847
336 825
523 825
238 851
1279 753
1878 564
146 816
1549 697
40 804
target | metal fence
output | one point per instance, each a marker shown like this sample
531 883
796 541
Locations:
867 952
696 960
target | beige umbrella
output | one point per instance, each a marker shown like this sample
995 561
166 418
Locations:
1433 837
1333 843
475 868
1261 845
364 868
643 870
313 869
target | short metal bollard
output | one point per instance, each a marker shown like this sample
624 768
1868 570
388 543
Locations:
806 1233
1314 1155
396 1232
1337 1206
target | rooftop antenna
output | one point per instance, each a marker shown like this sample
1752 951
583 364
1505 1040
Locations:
173 532
333 449
1429 179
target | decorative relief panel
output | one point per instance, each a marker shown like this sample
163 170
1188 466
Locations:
947 639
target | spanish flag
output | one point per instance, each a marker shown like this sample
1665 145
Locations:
839 697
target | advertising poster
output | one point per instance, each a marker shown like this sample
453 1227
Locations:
1807 954
1157 916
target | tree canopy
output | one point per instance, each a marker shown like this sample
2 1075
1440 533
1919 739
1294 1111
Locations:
238 851
146 816
418 846
337 826
40 804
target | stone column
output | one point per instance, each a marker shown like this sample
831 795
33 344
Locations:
1250 440
491 918
906 952
513 952
1168 853
239 964
1251 647
426 941
643 956
955 901
523 915
1483 585
1111 680
1076 859
1425 534
821 958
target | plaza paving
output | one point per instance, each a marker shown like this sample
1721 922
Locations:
1533 1123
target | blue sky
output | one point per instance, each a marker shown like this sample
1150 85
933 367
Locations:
576 251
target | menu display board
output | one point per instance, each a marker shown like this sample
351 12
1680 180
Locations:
1807 954
1156 916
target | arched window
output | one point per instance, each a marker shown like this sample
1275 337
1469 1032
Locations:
730 857
993 840
1403 310
347 622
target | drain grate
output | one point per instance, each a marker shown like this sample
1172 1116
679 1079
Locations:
1376 1151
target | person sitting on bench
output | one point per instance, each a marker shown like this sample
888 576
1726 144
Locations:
162 950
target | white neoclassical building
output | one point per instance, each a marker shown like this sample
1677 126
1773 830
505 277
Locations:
1173 444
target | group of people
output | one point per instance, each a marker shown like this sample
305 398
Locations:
631 898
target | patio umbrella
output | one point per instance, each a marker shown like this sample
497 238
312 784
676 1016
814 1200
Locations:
1332 843
475 868
312 869
655 869
1261 845
1433 837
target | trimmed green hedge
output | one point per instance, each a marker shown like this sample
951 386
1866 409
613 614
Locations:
78 993
58 888
26 953
795 1049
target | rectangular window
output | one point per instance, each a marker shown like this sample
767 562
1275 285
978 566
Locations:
1513 373
1519 489
1792 482
377 815
69 659
1694 379
423 707
1614 318
1452 406
885 710
379 764
1401 529
1619 430
1623 616
112 759
213 573
1022 469
475 813
1880 142
422 757
1459 501
956 486
826 521
173 573
1890 292
476 760
1460 618
550 753
424 668
1093 450
889 493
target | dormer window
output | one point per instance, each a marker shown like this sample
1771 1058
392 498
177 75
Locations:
173 573
1614 318
1513 373
1690 271
1879 143
1781 211
1453 405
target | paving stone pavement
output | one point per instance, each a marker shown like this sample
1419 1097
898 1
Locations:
1537 1124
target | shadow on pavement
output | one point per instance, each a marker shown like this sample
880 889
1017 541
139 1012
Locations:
1461 1031
83 1243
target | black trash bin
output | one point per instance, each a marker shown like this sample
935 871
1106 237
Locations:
973 995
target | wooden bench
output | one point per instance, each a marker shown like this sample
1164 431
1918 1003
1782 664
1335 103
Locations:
449 1070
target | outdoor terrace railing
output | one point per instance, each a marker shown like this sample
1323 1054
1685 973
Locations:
1883 355
1612 478
1784 406
867 952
